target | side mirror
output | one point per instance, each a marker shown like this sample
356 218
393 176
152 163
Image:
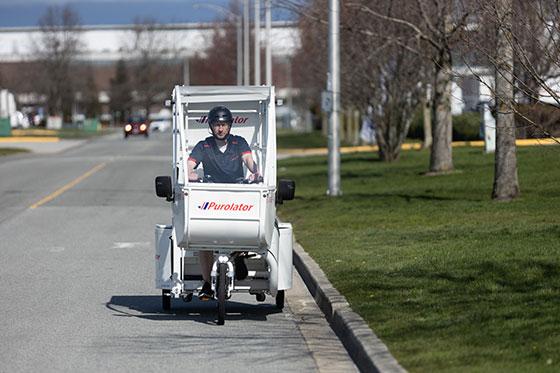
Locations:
286 190
163 187
168 103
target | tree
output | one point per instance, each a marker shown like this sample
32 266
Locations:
379 69
382 72
524 55
91 95
427 30
120 92
437 25
217 65
506 185
57 49
310 61
148 48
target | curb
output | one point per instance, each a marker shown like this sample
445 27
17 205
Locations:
368 352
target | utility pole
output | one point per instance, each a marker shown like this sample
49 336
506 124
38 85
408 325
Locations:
246 42
257 42
268 21
333 88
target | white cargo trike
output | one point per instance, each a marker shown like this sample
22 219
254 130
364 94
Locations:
225 219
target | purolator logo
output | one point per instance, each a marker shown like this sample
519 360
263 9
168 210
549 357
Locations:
225 206
236 119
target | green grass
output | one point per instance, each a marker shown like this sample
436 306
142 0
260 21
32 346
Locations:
449 279
288 139
292 140
9 151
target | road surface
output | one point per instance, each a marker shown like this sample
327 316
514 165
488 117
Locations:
77 275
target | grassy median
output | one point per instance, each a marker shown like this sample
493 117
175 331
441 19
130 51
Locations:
64 133
449 279
10 151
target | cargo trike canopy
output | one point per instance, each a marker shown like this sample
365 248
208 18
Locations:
253 118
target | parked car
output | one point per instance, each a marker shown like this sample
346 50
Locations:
136 125
161 125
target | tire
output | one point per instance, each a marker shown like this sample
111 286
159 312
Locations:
280 299
166 299
221 290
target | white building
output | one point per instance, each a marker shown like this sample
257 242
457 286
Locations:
109 43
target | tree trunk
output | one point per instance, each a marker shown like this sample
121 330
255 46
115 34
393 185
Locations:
427 114
441 154
506 185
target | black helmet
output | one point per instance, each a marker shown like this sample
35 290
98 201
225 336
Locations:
220 114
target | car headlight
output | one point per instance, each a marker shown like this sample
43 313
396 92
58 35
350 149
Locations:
143 127
128 128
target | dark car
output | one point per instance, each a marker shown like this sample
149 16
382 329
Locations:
136 125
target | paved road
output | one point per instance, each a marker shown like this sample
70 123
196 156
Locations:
76 268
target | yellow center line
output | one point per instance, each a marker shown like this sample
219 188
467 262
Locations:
70 185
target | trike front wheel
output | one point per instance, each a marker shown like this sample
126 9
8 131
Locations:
221 290
166 299
280 299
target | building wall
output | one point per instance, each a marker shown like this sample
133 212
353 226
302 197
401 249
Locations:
110 43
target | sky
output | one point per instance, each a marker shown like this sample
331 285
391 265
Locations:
17 13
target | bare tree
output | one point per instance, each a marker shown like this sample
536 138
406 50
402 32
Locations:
148 52
524 55
426 103
217 65
396 97
534 39
57 49
379 68
506 185
120 92
310 62
90 91
382 71
436 25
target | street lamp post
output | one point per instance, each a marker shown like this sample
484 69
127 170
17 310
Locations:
246 42
333 85
268 21
257 42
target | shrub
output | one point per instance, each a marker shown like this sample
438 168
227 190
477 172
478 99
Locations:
545 116
466 126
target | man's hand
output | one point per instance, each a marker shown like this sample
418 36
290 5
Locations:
193 176
256 177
